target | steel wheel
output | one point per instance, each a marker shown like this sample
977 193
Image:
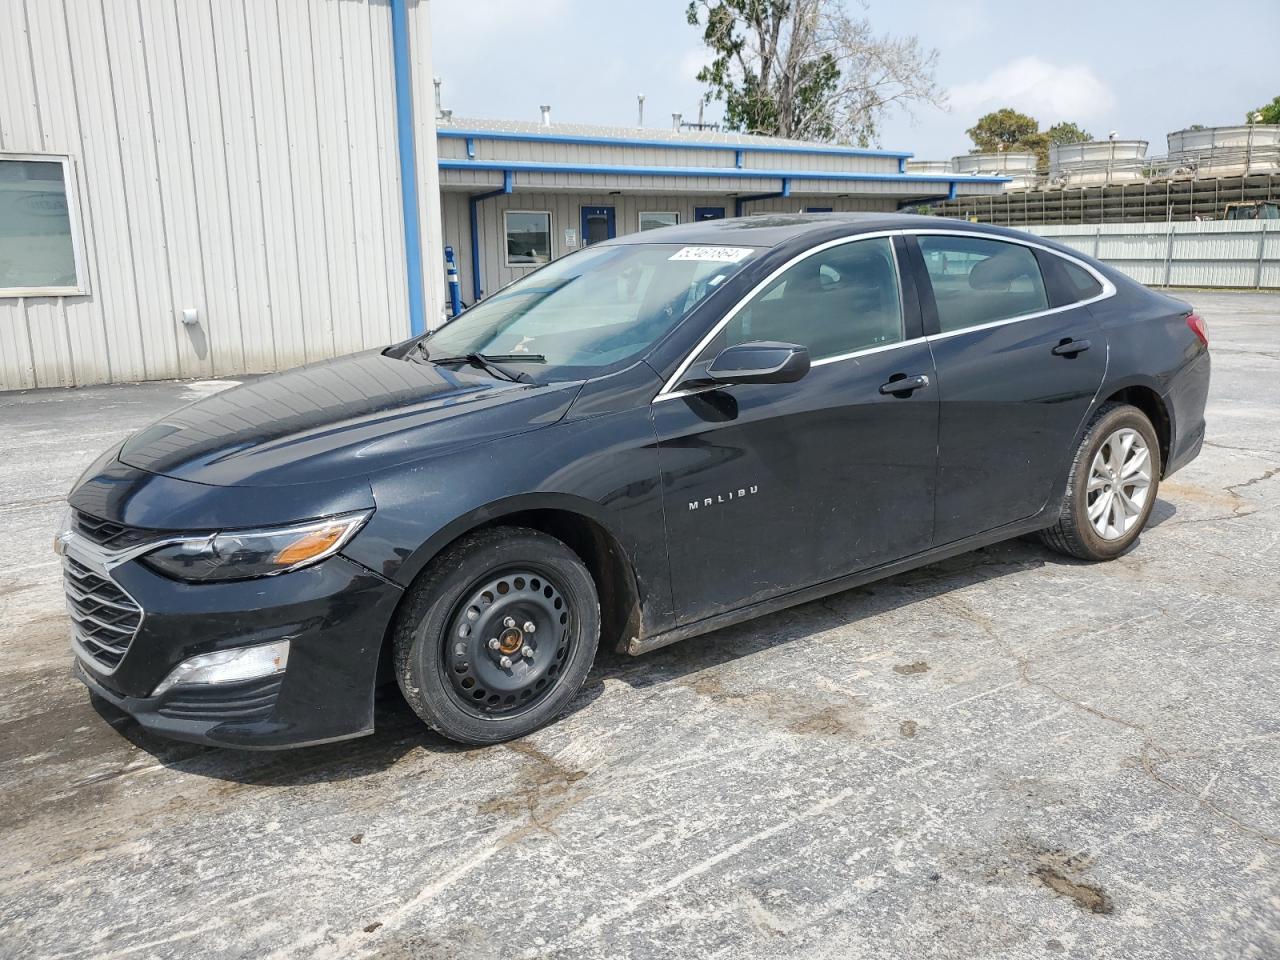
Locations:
1119 483
508 640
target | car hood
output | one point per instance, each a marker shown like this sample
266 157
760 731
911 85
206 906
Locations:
339 418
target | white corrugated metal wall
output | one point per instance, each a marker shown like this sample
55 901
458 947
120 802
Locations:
1210 253
235 156
566 211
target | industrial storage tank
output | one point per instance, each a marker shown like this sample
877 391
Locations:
940 167
1225 151
1097 162
1019 167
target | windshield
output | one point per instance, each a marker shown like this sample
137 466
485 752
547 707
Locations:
591 309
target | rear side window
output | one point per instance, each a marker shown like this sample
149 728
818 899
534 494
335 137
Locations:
837 301
977 281
1084 283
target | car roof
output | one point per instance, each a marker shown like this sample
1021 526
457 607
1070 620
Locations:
801 230
772 229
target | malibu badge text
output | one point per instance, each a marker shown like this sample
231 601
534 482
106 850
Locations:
724 497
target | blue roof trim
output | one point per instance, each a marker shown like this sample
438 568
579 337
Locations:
584 140
736 173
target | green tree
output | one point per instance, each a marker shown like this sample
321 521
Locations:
1270 112
1008 130
1003 130
805 69
1066 132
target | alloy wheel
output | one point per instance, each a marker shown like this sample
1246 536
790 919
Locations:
1119 484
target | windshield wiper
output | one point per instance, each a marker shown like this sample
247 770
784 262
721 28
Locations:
493 364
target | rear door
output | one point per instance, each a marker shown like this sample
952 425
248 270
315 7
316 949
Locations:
772 487
1018 366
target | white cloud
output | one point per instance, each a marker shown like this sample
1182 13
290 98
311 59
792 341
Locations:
1049 92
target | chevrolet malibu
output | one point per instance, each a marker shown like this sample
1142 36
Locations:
646 440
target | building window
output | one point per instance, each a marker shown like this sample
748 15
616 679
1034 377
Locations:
528 237
40 247
652 219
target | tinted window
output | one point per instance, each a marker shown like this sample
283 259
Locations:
978 281
839 300
1084 283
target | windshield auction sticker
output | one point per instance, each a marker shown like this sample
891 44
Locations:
711 254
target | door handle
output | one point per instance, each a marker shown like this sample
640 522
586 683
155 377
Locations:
901 385
1069 348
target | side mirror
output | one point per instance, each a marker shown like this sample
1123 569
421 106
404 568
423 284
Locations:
760 361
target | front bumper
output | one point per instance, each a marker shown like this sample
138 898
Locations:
334 615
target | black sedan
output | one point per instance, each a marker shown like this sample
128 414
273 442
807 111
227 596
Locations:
643 441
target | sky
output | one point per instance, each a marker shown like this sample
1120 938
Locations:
1141 70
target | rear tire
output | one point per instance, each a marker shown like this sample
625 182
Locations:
1111 486
465 658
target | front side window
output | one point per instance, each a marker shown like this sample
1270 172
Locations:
837 301
38 243
977 281
528 236
592 309
652 220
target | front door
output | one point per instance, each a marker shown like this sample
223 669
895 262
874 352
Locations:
1013 399
708 213
597 224
771 487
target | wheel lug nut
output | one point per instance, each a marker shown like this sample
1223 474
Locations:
527 651
493 643
530 626
505 662
509 622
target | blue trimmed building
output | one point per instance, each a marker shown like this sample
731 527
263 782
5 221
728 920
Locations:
515 194
207 189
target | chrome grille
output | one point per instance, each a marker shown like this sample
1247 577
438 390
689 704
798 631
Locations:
104 618
111 535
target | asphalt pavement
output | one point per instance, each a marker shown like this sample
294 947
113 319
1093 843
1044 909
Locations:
1007 755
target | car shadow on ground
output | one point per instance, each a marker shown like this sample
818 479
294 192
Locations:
398 731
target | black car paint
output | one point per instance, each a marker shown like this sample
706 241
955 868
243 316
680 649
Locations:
802 489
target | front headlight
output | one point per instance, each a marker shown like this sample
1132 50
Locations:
66 526
244 554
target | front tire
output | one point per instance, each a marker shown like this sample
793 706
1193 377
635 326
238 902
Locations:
497 635
1111 488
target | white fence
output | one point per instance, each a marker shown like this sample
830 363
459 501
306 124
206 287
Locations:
1210 253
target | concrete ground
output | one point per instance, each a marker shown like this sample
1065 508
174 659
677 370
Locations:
1005 755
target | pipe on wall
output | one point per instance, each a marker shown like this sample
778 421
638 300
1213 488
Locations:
408 165
473 201
739 201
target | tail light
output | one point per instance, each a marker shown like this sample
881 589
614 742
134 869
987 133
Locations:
1196 324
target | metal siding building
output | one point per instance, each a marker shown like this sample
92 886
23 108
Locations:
238 159
216 187
557 170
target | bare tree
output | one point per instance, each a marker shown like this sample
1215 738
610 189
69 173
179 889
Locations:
809 70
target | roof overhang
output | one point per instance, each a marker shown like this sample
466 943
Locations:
474 175
745 143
